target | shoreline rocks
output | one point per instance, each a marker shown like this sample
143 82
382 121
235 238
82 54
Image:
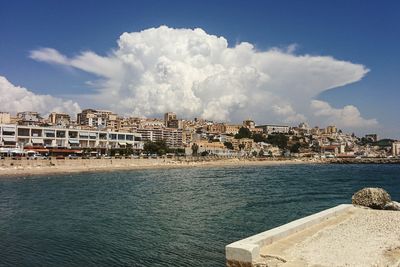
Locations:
375 198
392 205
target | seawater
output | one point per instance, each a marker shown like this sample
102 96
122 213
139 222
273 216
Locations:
165 217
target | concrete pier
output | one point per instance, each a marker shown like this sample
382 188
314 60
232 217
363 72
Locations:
341 236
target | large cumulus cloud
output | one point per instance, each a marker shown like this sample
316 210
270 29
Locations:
197 74
16 99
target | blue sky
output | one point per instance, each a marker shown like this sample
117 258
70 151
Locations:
360 32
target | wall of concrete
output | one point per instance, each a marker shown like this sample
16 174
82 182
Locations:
246 252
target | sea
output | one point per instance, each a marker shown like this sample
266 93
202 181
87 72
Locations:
166 217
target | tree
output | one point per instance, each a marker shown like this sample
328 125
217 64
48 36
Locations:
254 153
261 153
195 149
295 148
228 145
243 133
158 147
241 146
279 140
259 138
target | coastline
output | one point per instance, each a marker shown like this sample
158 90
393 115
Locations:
22 168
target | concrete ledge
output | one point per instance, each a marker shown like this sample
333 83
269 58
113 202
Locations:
247 251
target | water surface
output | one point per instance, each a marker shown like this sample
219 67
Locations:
170 217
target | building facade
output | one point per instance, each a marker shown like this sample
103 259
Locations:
270 128
396 148
5 118
53 139
172 137
98 119
61 119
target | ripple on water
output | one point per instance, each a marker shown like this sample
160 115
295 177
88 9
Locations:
175 217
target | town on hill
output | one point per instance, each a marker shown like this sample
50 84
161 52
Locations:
100 133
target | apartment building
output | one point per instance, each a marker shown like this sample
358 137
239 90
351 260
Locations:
55 139
172 137
271 128
60 119
331 129
29 118
232 128
396 148
216 128
168 117
98 119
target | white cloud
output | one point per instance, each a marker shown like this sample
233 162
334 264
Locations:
16 99
349 116
197 74
48 55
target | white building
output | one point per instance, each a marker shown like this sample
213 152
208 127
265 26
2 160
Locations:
270 128
52 138
396 148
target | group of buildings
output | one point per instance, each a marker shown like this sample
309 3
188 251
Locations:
101 131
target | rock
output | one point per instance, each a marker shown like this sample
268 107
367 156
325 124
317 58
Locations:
393 205
375 198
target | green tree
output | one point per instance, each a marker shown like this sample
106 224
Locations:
259 138
195 149
295 148
261 153
158 147
228 145
279 140
254 153
243 133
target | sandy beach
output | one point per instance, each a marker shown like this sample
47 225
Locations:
24 167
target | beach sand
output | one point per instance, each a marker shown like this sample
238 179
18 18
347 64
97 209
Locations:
24 167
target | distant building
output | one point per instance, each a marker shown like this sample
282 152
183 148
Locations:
304 126
331 129
396 148
168 117
316 130
232 128
212 148
172 137
216 128
98 119
330 149
5 117
250 124
175 124
29 118
61 119
270 128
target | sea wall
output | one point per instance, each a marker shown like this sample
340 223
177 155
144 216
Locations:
246 252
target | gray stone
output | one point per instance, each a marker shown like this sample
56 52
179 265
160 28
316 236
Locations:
393 205
375 198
